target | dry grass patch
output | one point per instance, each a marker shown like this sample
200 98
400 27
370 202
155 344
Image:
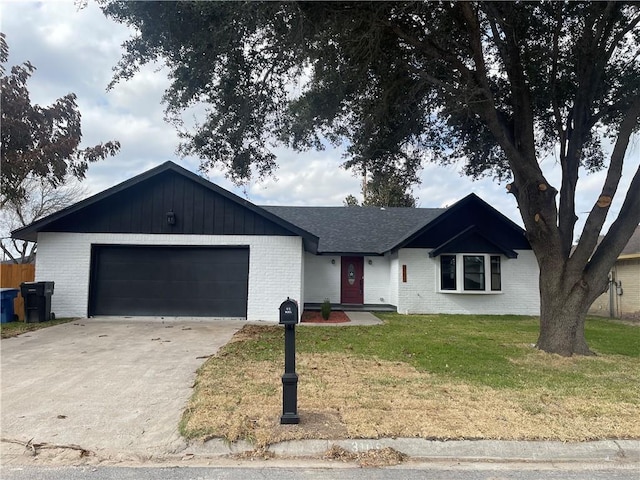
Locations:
374 382
383 457
341 396
13 329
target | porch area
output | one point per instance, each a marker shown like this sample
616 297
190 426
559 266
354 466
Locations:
352 307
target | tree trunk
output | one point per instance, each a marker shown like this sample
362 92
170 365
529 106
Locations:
563 310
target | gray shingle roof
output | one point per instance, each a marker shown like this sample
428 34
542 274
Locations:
362 230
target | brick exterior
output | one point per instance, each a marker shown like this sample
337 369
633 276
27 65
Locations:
275 267
377 279
383 285
519 296
321 278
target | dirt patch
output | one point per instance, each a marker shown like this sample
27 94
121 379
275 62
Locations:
384 457
316 317
315 424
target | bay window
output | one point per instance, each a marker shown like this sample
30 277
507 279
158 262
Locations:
480 273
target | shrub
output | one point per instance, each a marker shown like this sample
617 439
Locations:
325 309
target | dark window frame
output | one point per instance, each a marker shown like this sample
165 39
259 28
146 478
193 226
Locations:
474 273
450 272
495 272
452 266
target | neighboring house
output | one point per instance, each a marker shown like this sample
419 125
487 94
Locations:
622 299
170 243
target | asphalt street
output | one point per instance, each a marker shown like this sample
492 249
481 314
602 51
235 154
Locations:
463 471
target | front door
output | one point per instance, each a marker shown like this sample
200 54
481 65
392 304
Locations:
352 280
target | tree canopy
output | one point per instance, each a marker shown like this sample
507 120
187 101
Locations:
496 85
39 142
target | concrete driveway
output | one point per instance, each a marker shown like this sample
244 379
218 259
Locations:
116 387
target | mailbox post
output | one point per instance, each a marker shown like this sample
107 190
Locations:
289 318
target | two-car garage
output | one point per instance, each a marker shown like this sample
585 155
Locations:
169 243
137 280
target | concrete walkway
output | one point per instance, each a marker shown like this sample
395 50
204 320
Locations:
363 318
355 319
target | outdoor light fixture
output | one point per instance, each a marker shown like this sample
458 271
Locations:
171 218
370 262
333 261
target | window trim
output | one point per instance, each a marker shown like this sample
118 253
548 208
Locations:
459 276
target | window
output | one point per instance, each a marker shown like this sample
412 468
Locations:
496 282
473 272
448 272
480 273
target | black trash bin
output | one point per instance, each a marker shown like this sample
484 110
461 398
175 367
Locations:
37 301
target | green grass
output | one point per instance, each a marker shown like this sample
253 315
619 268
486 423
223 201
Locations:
493 351
13 329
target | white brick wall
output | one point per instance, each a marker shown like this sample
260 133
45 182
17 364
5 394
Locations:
275 270
321 278
394 278
376 279
520 293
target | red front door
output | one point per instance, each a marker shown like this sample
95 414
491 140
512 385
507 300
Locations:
352 280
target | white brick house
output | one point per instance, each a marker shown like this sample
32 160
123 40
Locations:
170 243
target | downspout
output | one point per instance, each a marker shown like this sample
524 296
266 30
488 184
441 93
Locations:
612 294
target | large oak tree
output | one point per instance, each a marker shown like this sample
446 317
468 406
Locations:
499 86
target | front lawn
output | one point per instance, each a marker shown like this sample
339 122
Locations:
13 329
430 376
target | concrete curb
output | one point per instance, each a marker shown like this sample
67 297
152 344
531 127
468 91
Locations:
464 450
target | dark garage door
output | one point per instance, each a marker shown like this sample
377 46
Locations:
169 281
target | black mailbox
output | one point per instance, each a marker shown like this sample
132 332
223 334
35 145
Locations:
289 312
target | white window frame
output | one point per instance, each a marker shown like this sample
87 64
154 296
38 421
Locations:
459 290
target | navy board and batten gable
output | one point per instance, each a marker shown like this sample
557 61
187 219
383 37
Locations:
470 225
141 205
169 242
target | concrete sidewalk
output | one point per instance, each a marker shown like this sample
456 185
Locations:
622 451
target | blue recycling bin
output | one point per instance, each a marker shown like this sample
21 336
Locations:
7 296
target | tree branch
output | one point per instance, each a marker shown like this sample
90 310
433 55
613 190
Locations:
590 73
598 214
562 132
617 237
8 252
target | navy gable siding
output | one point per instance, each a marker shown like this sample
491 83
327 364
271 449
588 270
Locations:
495 229
143 208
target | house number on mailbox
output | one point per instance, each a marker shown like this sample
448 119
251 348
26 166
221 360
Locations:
351 274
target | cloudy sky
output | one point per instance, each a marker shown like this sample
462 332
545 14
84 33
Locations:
75 50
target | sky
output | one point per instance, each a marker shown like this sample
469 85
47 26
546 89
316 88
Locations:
75 51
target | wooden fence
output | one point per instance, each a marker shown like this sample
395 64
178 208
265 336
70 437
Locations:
11 276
